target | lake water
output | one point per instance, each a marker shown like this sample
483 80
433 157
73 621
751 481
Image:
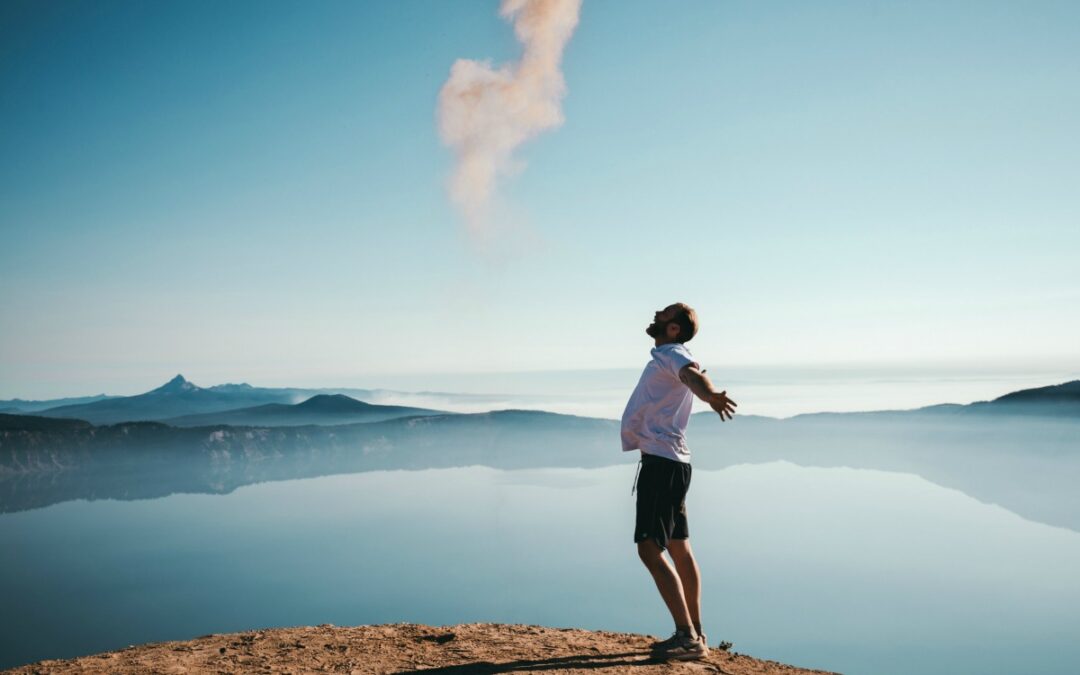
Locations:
857 571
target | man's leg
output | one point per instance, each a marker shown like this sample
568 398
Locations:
689 576
667 582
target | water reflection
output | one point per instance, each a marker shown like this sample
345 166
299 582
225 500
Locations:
851 570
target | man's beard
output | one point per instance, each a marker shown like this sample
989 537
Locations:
656 329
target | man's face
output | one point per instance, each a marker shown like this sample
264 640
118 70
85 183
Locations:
661 319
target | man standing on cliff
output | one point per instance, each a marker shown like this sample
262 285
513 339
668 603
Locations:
654 422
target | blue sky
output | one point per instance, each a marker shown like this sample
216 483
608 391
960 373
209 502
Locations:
255 191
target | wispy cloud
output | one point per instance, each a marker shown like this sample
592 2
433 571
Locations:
485 113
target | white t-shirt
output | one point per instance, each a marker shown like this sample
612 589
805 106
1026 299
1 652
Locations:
658 411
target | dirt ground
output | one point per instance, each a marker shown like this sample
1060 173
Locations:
483 648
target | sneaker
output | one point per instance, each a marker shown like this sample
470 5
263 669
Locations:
682 647
663 644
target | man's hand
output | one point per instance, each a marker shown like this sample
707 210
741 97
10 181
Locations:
722 404
701 386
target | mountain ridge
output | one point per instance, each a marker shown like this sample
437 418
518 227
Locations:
321 409
1051 400
180 397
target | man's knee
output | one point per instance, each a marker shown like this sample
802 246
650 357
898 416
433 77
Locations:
650 552
680 549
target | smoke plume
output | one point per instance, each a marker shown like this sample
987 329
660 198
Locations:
485 113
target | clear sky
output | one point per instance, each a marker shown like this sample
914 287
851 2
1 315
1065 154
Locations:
255 191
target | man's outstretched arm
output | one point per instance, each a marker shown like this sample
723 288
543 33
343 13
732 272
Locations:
703 389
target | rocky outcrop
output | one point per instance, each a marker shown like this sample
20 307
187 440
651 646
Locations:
483 648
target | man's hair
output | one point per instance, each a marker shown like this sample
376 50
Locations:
686 319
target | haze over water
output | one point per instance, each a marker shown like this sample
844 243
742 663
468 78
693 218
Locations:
774 391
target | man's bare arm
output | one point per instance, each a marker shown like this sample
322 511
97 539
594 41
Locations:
702 387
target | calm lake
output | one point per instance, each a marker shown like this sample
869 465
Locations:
852 570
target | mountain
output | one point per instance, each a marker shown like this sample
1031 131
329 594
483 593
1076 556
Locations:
180 397
37 423
336 403
16 405
176 397
319 409
1059 400
177 385
1069 391
230 388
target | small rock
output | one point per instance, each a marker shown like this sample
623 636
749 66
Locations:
440 639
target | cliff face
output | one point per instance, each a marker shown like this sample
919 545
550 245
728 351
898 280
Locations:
408 648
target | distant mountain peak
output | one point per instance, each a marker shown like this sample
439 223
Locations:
232 387
1066 392
332 402
176 385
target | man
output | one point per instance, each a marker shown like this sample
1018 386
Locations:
654 422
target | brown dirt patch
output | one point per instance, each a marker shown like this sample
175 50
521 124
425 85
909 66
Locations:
481 648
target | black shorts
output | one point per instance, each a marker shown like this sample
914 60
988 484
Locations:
662 485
